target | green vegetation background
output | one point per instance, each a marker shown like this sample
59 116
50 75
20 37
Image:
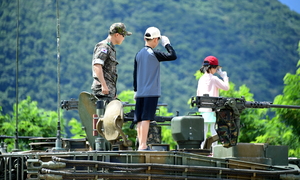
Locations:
255 41
257 126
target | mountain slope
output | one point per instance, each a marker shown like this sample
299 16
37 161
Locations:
255 41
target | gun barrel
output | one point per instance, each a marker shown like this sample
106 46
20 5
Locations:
284 106
69 104
126 104
163 118
256 104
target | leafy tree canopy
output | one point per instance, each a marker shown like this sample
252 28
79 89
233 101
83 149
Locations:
284 128
255 41
32 122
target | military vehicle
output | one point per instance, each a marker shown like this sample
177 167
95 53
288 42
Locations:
107 153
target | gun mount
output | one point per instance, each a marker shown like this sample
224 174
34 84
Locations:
228 114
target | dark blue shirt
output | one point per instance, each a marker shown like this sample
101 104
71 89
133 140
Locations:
146 74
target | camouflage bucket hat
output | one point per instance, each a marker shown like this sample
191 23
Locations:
119 28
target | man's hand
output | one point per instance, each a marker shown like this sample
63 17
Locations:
164 41
105 90
99 72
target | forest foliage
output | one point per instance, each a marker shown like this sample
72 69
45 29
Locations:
257 126
255 41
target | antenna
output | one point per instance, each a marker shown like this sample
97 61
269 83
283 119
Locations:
16 148
58 143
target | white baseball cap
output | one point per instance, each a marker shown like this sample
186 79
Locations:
151 33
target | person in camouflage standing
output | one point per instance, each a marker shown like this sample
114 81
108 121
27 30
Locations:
104 62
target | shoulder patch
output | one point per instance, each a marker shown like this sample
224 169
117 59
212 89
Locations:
104 50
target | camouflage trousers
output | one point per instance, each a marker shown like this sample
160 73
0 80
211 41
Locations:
154 134
97 90
227 127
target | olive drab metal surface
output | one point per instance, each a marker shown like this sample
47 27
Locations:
86 109
188 131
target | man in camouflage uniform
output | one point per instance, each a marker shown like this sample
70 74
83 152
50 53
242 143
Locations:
105 62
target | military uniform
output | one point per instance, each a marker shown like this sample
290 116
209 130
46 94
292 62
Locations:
105 54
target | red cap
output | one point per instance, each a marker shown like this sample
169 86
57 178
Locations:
212 60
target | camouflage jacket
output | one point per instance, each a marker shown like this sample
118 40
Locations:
105 54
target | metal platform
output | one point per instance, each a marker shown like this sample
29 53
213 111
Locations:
132 165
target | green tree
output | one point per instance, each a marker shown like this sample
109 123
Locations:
32 121
75 127
284 128
291 96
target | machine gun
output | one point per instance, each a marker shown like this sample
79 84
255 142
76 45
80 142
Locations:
228 112
104 118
